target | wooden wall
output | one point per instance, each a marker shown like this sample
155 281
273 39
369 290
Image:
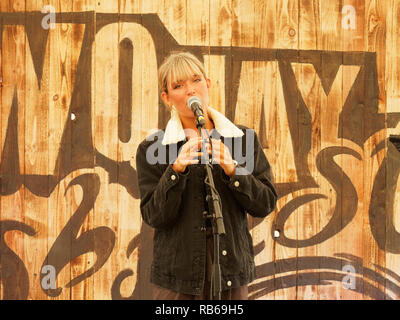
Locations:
317 79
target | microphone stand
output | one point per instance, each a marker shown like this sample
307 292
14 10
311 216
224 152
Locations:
216 221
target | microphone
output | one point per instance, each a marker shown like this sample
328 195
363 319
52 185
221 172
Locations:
194 104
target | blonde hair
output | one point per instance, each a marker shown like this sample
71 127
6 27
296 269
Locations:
178 66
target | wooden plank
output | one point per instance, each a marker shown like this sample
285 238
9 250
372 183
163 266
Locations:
264 29
35 126
104 111
131 6
375 15
220 22
107 6
287 37
198 22
267 93
244 113
215 69
147 122
76 33
243 23
37 138
220 34
271 123
146 106
310 214
12 148
392 57
144 6
287 26
352 236
174 16
13 6
1 125
243 35
36 149
275 139
130 70
260 97
60 89
392 105
250 83
330 108
309 33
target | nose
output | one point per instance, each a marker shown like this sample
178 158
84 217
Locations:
190 90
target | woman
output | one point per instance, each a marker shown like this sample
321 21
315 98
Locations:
171 175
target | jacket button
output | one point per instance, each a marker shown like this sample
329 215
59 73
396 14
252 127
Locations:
229 283
224 252
173 177
236 184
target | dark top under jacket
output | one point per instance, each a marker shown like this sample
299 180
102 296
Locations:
173 204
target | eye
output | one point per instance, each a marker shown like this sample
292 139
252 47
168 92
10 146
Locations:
176 86
197 80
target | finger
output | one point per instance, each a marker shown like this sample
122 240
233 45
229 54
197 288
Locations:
193 141
215 147
216 158
195 144
188 162
207 147
194 138
188 155
216 143
195 154
221 156
186 149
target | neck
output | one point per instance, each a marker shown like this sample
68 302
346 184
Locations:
190 123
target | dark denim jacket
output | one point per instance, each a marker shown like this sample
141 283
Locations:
173 204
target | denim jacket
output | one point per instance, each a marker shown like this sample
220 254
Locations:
173 204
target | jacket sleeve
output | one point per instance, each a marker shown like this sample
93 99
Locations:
160 191
253 189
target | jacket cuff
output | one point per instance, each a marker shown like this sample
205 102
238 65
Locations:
237 182
173 178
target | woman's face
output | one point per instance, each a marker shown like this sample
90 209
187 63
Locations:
179 91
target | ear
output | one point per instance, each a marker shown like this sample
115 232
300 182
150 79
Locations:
165 98
208 81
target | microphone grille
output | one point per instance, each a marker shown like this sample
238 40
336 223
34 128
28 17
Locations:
193 100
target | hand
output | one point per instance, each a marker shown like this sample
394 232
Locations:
189 155
222 156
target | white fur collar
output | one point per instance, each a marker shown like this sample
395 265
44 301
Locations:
174 130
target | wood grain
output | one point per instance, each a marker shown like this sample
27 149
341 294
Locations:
287 37
352 236
13 108
305 73
375 41
105 135
392 102
309 216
